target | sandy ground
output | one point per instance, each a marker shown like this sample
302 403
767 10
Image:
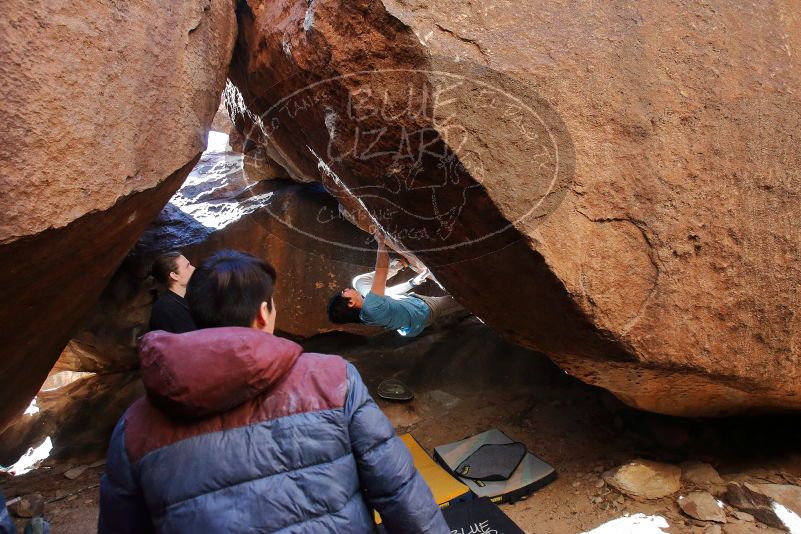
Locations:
463 389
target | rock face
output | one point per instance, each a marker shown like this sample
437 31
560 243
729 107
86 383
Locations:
105 109
78 417
613 185
221 122
296 227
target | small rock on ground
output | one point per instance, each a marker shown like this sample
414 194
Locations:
742 516
443 399
75 472
787 495
748 500
750 528
700 473
701 505
29 505
645 479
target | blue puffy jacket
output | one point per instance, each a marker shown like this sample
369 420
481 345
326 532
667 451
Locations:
242 432
6 525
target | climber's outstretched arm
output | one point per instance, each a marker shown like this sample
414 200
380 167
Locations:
381 267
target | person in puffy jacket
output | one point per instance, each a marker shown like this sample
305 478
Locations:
241 431
6 524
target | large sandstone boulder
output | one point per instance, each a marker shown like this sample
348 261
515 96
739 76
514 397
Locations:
105 109
614 184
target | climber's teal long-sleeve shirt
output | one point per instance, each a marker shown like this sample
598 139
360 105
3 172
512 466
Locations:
405 313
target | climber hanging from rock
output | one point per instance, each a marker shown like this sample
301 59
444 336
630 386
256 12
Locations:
371 302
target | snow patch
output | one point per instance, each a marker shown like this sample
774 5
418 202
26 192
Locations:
308 20
635 524
32 408
788 517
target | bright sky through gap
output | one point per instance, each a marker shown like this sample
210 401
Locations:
32 458
217 142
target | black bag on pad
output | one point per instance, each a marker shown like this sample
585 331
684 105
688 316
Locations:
495 461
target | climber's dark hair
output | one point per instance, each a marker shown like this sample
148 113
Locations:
340 313
228 289
163 265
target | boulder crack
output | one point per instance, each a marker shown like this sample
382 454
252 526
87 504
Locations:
465 40
642 227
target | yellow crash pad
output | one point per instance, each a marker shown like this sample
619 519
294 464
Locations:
443 486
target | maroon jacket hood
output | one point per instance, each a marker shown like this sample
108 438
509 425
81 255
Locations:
213 370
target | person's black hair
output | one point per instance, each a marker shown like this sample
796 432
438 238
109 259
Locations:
163 265
228 289
340 313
